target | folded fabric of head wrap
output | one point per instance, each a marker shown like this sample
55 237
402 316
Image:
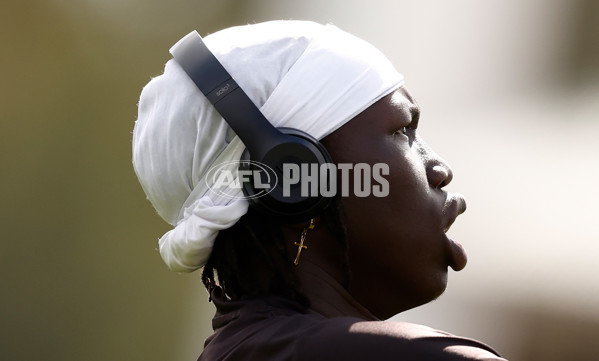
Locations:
299 74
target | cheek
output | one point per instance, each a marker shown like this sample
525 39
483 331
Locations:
399 245
407 187
397 222
400 231
408 202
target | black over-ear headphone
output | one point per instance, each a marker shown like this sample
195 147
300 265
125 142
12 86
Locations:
264 143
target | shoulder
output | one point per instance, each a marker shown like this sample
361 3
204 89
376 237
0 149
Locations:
354 339
273 329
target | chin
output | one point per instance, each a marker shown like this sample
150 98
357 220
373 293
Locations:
417 299
431 291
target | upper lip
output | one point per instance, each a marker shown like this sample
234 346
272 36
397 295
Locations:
454 206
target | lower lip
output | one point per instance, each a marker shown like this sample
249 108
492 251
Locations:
457 253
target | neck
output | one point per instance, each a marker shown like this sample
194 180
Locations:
326 294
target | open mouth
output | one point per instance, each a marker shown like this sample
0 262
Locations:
455 206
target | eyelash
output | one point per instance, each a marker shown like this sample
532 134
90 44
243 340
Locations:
405 130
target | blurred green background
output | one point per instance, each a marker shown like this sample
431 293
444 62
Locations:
517 81
81 275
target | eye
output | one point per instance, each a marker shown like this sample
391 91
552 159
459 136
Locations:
403 130
408 131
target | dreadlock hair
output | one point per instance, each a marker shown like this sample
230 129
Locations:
255 245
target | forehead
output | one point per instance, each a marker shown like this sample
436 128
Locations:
402 104
397 109
381 119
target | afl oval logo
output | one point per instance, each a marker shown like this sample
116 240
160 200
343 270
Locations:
226 179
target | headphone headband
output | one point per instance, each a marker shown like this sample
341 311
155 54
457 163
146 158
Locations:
233 104
265 144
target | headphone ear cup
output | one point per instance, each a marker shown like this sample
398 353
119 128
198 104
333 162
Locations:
290 200
265 183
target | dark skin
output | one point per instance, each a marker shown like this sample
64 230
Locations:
398 251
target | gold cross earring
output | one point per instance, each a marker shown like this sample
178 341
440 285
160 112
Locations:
301 244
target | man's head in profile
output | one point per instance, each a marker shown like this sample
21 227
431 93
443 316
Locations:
283 287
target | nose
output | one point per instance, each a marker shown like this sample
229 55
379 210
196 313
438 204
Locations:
438 172
439 175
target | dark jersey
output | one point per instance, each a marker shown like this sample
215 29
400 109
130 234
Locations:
274 328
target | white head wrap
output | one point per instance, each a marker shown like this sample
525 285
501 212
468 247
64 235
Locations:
300 75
